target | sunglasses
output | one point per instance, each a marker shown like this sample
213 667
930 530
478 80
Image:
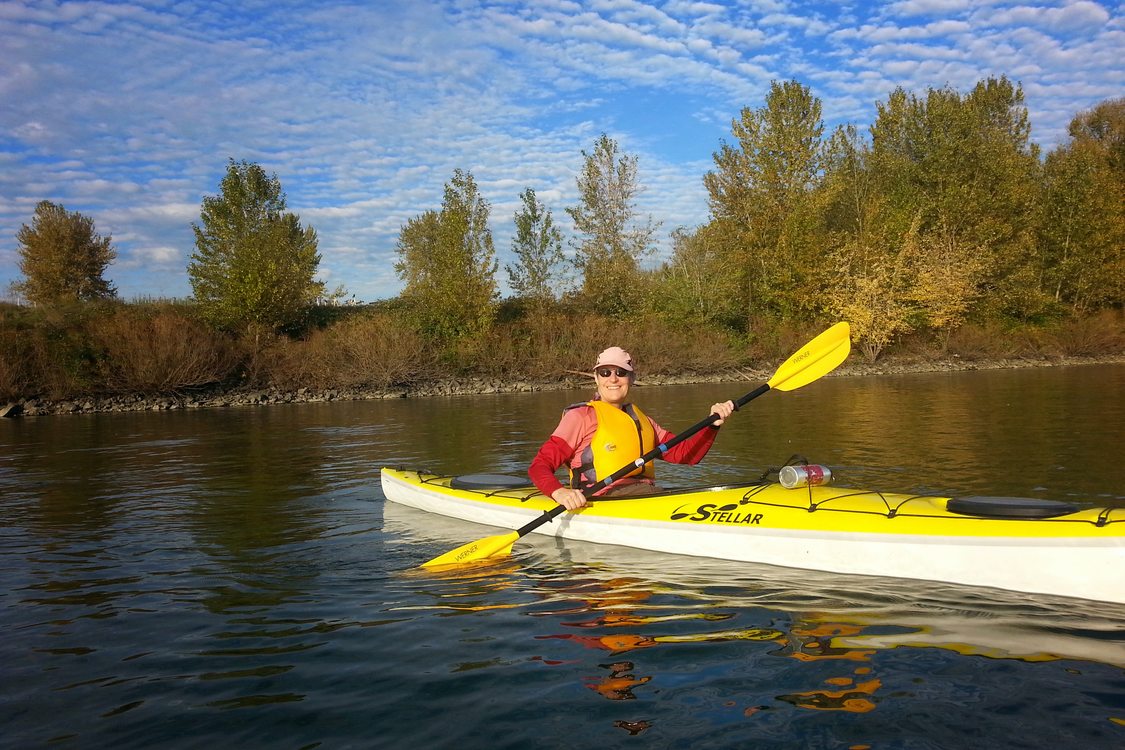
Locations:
605 372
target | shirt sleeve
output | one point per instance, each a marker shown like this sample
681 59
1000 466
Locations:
559 450
552 454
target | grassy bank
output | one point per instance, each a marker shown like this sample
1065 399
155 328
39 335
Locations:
162 349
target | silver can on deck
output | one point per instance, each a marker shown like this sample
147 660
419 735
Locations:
804 476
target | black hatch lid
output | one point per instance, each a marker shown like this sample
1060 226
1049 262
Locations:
1009 507
488 482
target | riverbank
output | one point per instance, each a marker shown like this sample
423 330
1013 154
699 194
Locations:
220 397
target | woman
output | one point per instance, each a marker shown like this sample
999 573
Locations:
597 438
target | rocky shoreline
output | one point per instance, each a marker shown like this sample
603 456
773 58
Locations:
227 397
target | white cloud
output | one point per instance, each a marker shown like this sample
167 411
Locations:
927 7
147 257
1069 18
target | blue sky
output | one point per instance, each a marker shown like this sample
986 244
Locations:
129 111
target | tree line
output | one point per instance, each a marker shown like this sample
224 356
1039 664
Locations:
943 212
940 213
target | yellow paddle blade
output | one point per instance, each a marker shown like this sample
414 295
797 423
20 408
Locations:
817 358
492 546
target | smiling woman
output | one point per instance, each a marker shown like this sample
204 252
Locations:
596 438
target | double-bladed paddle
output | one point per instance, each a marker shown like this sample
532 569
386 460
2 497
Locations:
817 358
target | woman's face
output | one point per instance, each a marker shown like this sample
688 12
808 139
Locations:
613 384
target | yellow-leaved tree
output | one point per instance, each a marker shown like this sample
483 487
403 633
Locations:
945 278
869 288
62 258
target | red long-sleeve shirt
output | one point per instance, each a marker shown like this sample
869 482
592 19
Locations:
574 434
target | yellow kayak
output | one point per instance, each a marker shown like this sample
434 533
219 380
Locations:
1018 544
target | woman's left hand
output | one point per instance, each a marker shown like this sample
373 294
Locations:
724 410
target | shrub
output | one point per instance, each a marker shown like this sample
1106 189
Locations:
979 342
555 344
376 350
161 352
1100 334
14 364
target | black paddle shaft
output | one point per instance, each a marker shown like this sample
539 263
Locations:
652 455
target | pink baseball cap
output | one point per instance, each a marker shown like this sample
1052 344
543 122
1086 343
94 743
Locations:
615 356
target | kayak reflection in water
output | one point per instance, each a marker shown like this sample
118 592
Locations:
596 438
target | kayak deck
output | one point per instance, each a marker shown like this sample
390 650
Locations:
919 514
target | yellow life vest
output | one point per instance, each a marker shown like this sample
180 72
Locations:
622 436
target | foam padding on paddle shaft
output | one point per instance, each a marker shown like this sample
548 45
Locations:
1009 507
488 482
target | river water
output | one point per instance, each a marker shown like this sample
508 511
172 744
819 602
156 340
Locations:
234 578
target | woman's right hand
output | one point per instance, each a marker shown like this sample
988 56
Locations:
569 498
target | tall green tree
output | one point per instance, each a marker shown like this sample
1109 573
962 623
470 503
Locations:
850 199
62 258
254 265
448 262
537 246
762 186
964 167
1084 223
697 284
611 239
